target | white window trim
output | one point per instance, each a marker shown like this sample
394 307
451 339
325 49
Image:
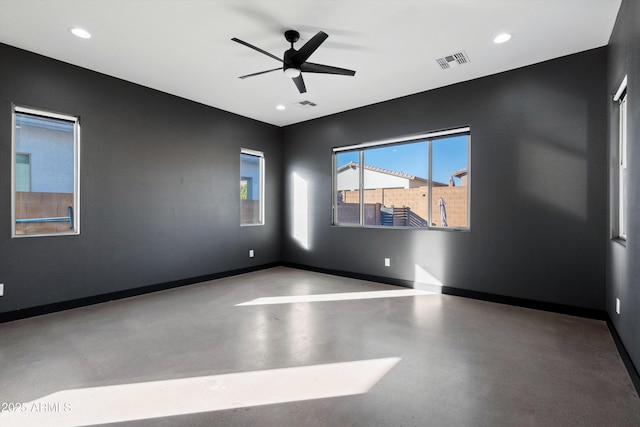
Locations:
76 165
252 152
621 89
408 138
259 154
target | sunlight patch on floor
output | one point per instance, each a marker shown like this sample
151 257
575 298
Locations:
154 399
344 296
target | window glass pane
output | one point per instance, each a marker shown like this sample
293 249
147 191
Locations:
622 180
450 190
396 186
251 189
623 204
347 188
45 175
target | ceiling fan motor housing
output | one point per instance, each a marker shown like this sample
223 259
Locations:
288 61
292 36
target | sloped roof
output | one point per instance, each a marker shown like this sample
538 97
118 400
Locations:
354 165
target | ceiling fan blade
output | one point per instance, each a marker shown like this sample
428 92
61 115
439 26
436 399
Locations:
309 67
260 72
300 83
309 47
256 48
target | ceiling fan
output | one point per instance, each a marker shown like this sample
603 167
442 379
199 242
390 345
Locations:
294 62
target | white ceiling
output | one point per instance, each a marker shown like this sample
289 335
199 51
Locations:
184 47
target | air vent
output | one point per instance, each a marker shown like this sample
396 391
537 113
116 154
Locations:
307 104
453 60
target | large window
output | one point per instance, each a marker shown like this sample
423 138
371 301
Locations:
45 173
419 181
251 187
619 226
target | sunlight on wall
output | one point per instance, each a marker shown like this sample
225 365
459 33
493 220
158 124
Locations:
146 400
345 296
426 281
300 211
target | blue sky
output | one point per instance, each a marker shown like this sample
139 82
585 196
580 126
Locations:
449 155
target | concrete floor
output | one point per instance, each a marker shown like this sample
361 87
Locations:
193 356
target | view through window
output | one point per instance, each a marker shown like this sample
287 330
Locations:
622 172
418 182
251 187
619 214
45 173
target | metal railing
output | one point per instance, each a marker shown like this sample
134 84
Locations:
68 219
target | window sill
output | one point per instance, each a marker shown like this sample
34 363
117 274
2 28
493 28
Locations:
387 227
620 241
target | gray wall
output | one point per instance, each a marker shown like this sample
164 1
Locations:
539 185
159 187
623 266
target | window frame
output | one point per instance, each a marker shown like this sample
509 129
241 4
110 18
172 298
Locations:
622 217
618 229
75 213
262 166
429 137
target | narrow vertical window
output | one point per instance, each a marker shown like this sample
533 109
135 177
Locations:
622 178
251 187
45 173
619 204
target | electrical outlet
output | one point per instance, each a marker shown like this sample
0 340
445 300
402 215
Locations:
1 289
387 262
251 254
617 305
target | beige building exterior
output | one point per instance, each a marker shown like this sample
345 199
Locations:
389 189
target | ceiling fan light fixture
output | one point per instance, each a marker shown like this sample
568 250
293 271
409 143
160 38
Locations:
280 107
292 72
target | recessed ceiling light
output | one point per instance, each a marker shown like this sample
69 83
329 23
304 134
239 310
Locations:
80 32
501 38
280 107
